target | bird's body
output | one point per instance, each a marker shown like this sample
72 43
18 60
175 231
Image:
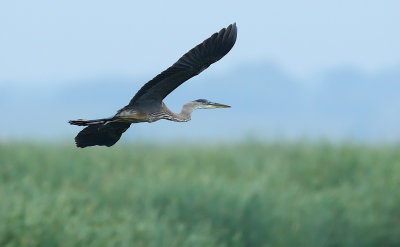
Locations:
148 106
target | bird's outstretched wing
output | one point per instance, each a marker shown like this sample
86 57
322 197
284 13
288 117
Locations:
100 134
191 64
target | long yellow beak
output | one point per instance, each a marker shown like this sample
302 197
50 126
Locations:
217 105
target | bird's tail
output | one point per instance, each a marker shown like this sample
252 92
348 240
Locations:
83 122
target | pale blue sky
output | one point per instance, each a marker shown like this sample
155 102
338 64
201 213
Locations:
53 41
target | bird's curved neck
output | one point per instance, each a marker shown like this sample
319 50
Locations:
183 116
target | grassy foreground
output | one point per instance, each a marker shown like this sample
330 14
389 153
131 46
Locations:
221 195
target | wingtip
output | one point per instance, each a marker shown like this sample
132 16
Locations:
234 30
234 27
77 143
231 32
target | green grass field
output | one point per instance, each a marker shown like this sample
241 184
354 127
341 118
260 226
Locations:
249 194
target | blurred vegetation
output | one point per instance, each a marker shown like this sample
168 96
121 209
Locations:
244 194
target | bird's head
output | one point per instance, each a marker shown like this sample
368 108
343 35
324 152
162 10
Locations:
205 104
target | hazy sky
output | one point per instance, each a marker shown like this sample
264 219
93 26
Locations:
52 41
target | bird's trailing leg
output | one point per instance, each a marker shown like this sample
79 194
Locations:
83 122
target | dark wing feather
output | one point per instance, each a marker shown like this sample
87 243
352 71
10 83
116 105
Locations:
189 65
100 134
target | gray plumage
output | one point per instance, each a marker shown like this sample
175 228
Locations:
147 104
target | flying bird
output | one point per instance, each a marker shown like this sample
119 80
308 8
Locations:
147 105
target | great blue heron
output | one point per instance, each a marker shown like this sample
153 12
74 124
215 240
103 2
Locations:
147 104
